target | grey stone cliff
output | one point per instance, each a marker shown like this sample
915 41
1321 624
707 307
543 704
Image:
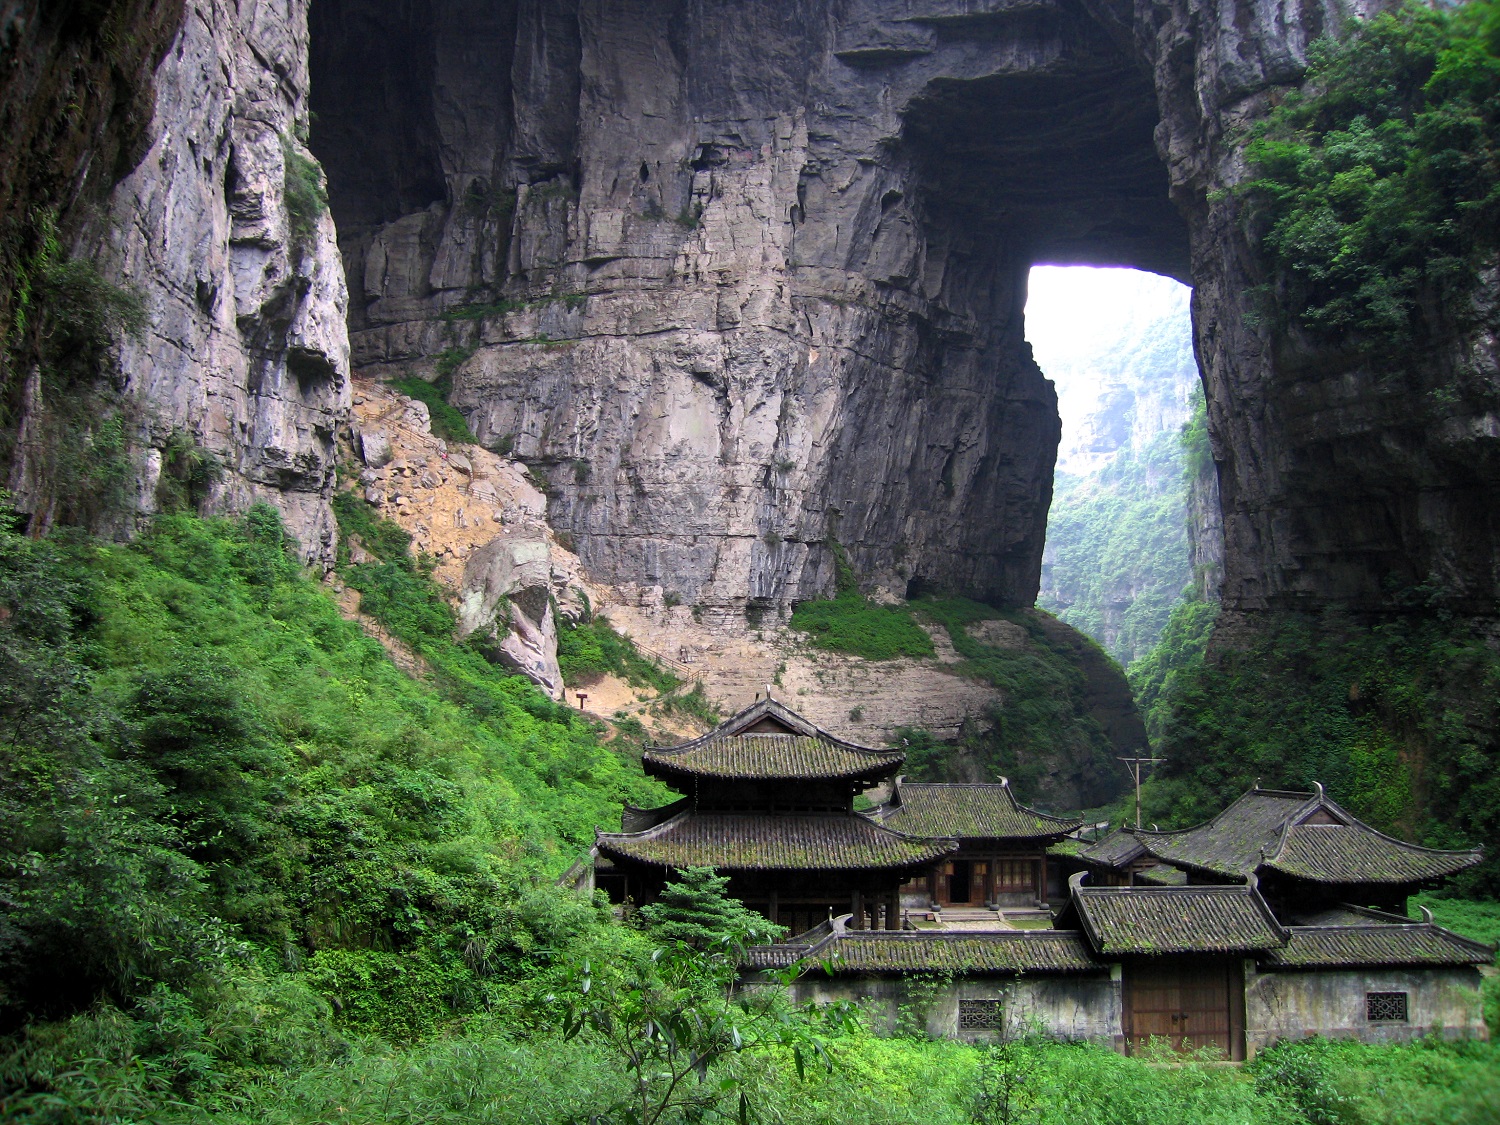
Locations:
744 278
246 347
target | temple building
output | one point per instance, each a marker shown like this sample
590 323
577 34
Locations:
1001 858
1284 915
769 801
1304 851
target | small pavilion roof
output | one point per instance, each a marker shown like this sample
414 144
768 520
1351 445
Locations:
1159 920
769 742
1116 849
988 812
1305 835
779 842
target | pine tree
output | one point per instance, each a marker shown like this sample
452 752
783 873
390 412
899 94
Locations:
697 912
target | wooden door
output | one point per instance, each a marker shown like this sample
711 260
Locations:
979 882
1188 1002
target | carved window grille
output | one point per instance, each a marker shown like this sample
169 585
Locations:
1012 875
978 1015
1385 1007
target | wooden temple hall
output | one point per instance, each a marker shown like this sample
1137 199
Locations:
1284 915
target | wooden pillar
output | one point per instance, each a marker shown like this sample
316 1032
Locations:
893 910
992 880
857 908
771 909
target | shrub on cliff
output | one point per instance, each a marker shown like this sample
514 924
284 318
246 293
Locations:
1377 188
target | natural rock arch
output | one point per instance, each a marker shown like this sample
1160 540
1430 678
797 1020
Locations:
803 321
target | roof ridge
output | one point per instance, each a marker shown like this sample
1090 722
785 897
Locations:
781 712
1476 850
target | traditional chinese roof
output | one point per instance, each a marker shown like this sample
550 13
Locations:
634 819
904 951
968 811
768 742
1305 835
1376 943
1162 875
1117 849
1357 853
1157 920
781 842
1231 843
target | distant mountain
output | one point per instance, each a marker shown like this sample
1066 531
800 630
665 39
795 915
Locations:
1118 346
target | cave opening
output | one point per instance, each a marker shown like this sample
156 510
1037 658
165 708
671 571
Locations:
1117 346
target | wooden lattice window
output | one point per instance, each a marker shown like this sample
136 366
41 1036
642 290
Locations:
1385 1007
978 1015
1015 875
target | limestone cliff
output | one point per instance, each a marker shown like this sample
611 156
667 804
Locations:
245 348
740 277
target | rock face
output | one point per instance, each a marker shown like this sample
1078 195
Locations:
245 351
744 278
483 523
247 347
737 283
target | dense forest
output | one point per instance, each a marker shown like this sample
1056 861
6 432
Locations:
253 870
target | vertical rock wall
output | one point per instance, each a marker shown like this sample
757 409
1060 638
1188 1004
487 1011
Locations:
733 285
246 346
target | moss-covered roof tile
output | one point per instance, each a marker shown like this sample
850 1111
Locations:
1158 920
969 811
769 742
773 841
1338 853
1376 944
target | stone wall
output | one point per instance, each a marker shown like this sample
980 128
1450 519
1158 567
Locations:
1074 1007
1290 1005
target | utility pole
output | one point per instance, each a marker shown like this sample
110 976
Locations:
1135 770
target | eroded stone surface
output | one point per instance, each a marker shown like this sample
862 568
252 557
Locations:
246 347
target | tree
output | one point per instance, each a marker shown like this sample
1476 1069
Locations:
676 1019
697 912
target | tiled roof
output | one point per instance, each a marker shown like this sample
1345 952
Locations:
974 811
633 819
1114 850
1419 943
1018 951
1336 853
1162 875
1269 829
907 951
1229 844
764 841
795 750
1153 920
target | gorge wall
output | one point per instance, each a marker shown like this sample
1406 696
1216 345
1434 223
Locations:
167 142
742 279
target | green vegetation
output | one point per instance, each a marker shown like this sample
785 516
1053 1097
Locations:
448 421
850 622
592 648
67 321
1153 677
1377 193
252 871
306 197
697 911
1042 729
1119 537
1396 719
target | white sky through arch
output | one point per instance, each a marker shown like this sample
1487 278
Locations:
1097 332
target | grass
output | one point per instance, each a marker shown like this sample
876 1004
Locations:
592 649
448 421
853 624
